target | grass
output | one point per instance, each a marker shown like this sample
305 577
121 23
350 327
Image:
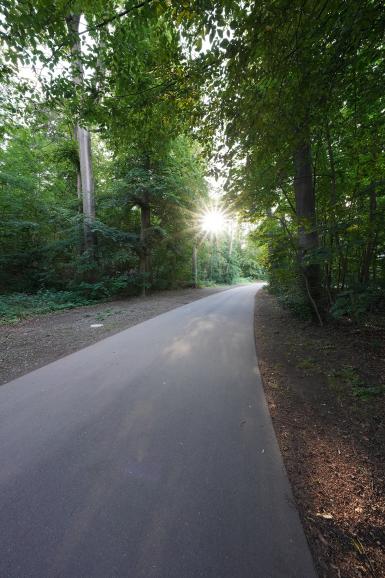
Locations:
309 365
17 306
348 377
103 315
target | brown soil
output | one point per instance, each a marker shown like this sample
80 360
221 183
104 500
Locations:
331 439
33 343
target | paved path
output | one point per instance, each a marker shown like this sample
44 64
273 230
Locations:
149 454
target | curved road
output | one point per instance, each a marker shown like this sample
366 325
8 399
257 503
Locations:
149 454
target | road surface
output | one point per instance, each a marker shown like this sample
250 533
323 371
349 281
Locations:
149 454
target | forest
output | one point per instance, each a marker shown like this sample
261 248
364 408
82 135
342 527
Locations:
118 117
154 152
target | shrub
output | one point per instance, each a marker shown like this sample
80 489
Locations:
18 306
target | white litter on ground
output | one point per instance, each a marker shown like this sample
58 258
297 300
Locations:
97 325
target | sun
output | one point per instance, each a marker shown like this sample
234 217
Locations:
213 221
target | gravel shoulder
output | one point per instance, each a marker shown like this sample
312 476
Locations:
35 342
321 384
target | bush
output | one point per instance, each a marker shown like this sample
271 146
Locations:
356 302
126 285
295 301
18 306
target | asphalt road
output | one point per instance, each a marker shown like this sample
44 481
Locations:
149 454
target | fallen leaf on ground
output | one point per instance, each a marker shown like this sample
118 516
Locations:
325 515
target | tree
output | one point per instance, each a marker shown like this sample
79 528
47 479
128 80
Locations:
139 107
82 135
286 73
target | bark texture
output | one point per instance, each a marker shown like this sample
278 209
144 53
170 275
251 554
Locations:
145 256
308 241
83 137
195 266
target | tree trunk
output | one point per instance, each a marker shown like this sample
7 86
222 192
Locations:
333 230
195 266
231 239
369 251
79 186
145 257
87 181
78 176
308 241
84 141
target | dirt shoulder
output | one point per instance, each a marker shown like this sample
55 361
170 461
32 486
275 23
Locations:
35 342
319 384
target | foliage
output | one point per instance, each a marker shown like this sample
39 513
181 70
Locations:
300 72
349 377
143 100
358 301
16 306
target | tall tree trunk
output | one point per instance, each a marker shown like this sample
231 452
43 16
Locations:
78 176
370 247
84 141
195 266
231 239
145 257
333 230
231 246
88 193
79 185
308 241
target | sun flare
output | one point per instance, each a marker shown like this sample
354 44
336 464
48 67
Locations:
213 221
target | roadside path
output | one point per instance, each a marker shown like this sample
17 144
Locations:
150 454
34 342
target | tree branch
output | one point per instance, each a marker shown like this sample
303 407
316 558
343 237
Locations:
117 16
